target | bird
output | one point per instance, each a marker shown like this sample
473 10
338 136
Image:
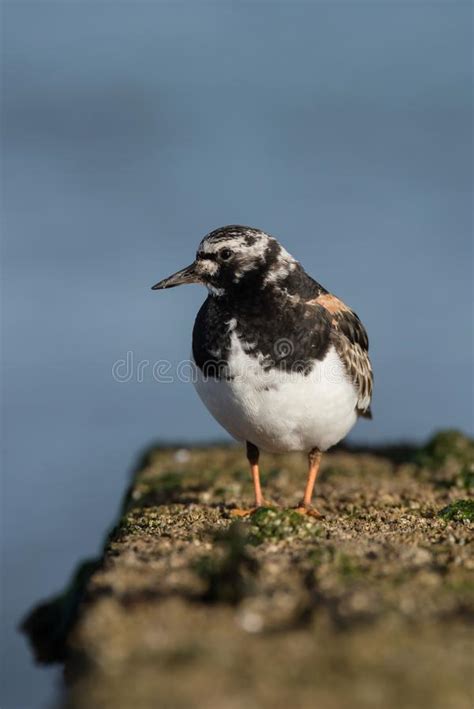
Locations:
281 363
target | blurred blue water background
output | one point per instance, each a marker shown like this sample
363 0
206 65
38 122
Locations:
132 129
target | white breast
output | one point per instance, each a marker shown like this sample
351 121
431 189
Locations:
281 411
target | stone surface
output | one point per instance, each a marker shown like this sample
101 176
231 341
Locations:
367 607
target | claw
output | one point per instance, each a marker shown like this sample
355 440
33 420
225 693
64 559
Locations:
309 511
238 512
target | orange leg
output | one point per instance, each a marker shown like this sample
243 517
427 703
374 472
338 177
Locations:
253 455
305 507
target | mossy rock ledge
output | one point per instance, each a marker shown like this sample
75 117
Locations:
189 609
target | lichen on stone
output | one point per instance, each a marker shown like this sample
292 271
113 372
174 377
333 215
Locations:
270 524
459 511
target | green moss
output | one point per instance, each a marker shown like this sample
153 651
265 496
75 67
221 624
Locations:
268 524
466 477
459 511
446 447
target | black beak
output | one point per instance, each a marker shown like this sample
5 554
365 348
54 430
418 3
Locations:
186 275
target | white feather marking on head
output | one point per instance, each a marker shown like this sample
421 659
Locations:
283 267
251 252
236 244
208 268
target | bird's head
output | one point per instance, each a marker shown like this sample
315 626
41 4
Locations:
234 259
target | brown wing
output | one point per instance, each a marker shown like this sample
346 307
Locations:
352 344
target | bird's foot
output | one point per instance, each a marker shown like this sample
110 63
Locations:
242 512
308 510
239 512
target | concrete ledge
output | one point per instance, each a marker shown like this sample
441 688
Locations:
189 609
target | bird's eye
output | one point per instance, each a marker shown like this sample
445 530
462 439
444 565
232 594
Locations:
225 254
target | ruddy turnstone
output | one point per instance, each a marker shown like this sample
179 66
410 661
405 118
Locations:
281 363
